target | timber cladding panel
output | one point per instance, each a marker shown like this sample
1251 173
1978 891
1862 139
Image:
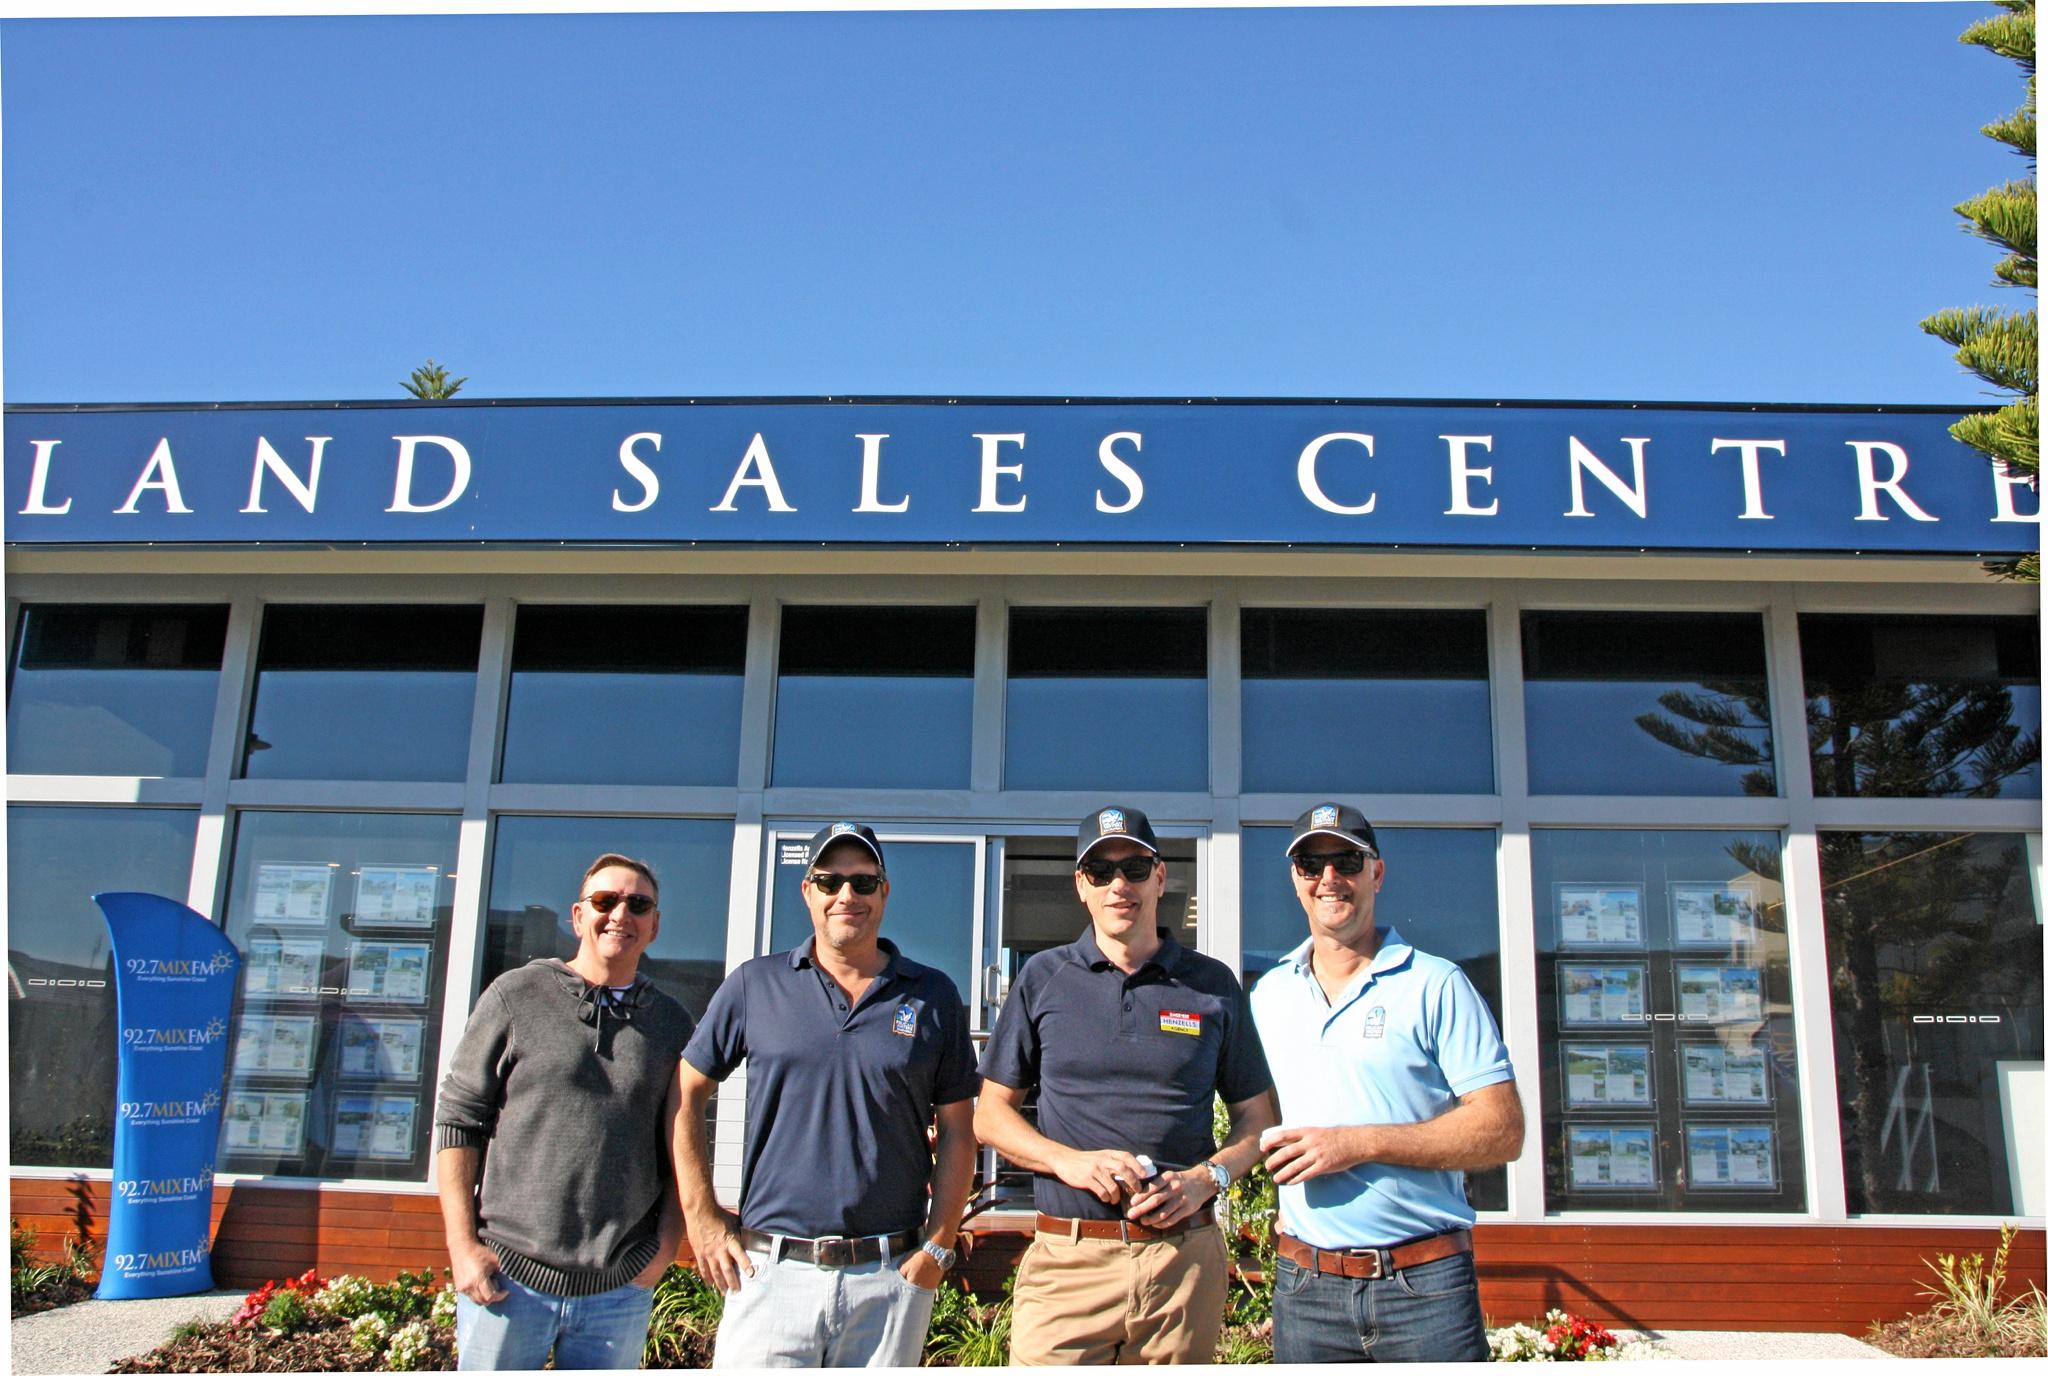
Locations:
1821 1278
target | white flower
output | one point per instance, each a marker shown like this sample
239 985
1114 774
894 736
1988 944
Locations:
409 1347
442 1315
344 1297
367 1332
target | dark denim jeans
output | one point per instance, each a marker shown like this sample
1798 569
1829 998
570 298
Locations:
1426 1313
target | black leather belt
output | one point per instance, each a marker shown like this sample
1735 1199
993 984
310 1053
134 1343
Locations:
831 1251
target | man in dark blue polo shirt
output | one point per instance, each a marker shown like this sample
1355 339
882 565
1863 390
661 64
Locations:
1127 1037
846 1221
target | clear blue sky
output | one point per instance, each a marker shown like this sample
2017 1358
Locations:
1712 202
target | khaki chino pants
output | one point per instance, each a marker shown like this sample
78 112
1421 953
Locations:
1090 1302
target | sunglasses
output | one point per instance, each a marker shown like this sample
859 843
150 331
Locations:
604 900
829 883
1136 868
1345 861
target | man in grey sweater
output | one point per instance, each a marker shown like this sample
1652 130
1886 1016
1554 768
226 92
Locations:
562 1096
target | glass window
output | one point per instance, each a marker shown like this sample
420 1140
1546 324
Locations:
931 903
538 863
875 697
630 695
1108 698
349 692
1934 958
61 1022
342 922
1664 1008
1327 691
1647 703
1441 894
1923 706
114 690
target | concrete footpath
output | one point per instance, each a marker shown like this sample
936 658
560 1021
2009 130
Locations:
91 1336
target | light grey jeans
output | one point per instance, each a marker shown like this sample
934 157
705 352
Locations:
793 1313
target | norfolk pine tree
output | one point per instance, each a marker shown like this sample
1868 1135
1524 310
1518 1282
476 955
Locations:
430 382
2004 347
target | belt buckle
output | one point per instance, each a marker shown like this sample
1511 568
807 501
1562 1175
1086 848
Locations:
1375 1261
836 1250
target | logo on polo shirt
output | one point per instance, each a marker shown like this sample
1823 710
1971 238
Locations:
1110 821
906 1020
1187 1024
1376 1022
1323 817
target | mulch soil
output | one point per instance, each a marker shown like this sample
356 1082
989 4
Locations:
55 1295
322 1345
1920 1336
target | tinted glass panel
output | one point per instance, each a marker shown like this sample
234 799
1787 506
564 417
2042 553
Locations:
114 690
538 864
930 907
1440 895
1664 1006
61 1023
875 697
342 921
1326 691
1934 953
1647 703
364 693
1923 706
636 695
1107 698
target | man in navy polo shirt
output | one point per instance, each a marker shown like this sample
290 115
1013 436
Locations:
1393 1083
846 1221
1127 1037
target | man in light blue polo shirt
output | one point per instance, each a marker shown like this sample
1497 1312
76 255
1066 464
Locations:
1393 1082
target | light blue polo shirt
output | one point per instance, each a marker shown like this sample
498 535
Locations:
1402 1045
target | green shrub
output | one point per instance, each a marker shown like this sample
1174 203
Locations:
966 1332
286 1310
684 1322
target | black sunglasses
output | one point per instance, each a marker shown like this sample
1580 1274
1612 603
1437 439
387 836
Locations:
1310 866
1136 868
829 882
604 900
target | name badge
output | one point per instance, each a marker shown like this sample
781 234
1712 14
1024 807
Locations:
906 1020
1376 1022
1187 1024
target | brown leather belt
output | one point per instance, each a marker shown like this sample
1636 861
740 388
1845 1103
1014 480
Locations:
831 1251
1116 1229
1373 1263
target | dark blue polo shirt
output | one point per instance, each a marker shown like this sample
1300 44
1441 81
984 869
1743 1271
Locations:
838 1099
1129 1061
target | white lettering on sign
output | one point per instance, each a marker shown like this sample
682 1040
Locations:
1583 461
2003 483
268 460
871 477
158 475
992 469
1463 475
401 492
39 481
650 486
755 470
1117 468
1871 484
1752 474
1312 488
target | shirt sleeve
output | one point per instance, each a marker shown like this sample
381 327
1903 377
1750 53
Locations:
1011 1056
956 1078
473 1090
719 1044
1468 1045
1241 1070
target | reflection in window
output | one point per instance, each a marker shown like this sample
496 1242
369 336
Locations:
342 921
875 697
1647 703
1668 1067
1923 706
1934 957
61 1022
1107 698
1440 894
1312 677
538 863
354 692
931 899
626 695
114 690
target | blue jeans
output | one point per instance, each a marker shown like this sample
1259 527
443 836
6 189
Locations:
1426 1313
602 1332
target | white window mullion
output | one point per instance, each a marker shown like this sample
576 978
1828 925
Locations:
212 840
1517 903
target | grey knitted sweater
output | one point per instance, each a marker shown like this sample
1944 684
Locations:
563 1092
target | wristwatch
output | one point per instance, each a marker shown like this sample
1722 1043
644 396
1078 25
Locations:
1219 1173
944 1256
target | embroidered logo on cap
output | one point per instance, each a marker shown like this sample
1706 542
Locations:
1187 1024
906 1020
1376 1022
844 828
1323 817
1109 821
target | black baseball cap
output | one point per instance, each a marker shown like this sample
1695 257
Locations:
1335 819
844 831
1114 824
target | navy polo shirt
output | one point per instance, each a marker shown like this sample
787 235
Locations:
1125 1061
838 1099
